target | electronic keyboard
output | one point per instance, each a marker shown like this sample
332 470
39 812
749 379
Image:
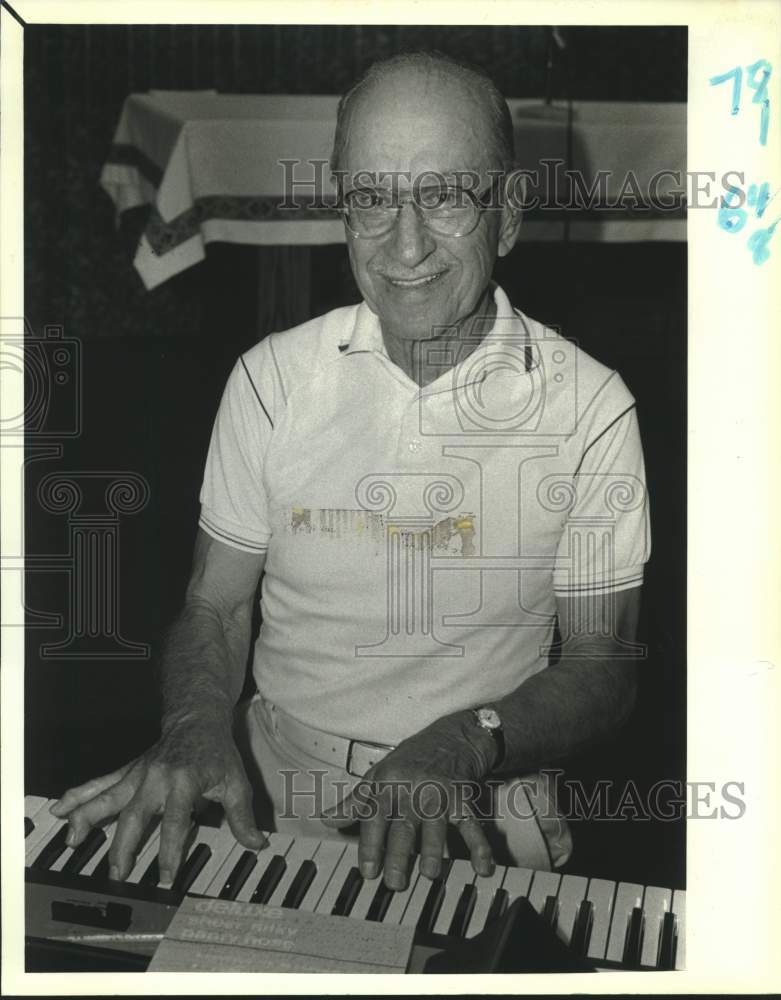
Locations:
72 904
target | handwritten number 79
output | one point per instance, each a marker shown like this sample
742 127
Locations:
757 76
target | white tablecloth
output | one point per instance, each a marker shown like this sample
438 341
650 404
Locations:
209 165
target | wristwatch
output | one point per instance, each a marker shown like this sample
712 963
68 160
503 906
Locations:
489 721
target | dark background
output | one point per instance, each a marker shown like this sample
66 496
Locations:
154 363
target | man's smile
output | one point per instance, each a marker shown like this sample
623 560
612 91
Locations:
418 282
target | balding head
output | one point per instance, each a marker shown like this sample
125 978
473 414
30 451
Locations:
421 86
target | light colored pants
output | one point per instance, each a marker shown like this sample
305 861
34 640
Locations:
292 788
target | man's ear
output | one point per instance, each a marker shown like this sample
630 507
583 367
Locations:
512 212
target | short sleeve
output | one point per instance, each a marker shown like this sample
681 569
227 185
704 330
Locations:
234 507
606 539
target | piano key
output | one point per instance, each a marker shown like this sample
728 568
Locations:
221 876
269 880
326 858
550 911
499 905
300 885
656 902
461 873
220 846
144 858
634 939
302 849
33 804
572 892
348 860
628 896
348 893
381 901
191 870
365 898
544 884
29 826
100 857
238 875
46 827
485 887
600 894
51 849
679 909
463 914
517 882
581 932
86 850
668 943
415 902
278 844
433 903
152 874
401 898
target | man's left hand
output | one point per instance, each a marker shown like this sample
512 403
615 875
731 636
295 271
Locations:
413 795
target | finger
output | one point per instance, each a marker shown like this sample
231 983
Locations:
83 793
98 809
177 819
432 846
398 852
371 845
238 812
477 842
131 827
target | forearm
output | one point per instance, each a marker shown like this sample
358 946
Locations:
202 665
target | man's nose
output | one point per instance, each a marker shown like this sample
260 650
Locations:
412 241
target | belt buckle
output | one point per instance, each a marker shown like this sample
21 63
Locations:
369 746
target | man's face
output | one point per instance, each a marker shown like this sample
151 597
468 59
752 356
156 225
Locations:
413 279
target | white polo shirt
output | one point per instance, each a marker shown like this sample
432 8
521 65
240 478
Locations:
417 537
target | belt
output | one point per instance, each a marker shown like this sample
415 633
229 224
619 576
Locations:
353 756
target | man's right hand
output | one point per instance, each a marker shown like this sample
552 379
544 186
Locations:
191 761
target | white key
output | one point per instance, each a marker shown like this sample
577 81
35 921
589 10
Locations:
571 891
400 899
628 896
222 844
45 829
417 901
146 857
679 909
365 897
214 888
278 843
486 888
302 849
326 858
516 883
544 884
656 902
60 862
461 873
600 895
348 860
33 804
104 848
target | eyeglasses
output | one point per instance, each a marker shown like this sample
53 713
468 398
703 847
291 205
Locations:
447 211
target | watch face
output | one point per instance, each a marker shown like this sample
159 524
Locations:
488 718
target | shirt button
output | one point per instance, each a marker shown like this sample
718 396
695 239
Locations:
415 445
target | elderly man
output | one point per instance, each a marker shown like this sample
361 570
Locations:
427 483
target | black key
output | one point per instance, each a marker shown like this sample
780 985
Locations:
52 851
192 868
87 849
101 868
432 906
379 905
29 826
239 874
634 939
348 893
463 911
299 887
581 932
498 906
152 874
550 911
668 943
270 880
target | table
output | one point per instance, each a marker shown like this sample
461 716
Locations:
209 165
